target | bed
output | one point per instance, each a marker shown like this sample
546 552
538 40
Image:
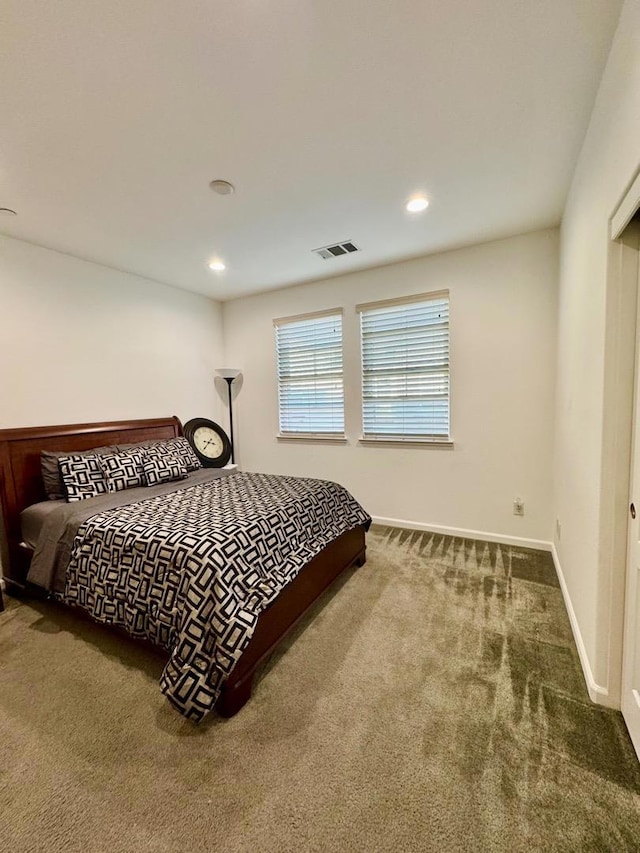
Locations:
21 486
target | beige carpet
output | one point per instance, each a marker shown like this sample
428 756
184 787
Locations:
433 702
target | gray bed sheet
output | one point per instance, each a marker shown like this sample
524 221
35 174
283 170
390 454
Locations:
33 518
58 528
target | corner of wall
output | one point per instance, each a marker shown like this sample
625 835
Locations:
597 692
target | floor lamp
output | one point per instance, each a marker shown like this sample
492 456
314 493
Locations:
229 374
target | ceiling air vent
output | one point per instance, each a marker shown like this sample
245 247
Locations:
345 248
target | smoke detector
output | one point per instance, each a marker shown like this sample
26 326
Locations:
222 187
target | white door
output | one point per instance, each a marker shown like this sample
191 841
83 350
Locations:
631 648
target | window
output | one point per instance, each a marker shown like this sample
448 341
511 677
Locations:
405 368
310 389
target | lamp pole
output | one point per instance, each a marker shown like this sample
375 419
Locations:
230 374
229 381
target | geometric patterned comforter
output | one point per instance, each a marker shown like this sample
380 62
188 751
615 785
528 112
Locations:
192 570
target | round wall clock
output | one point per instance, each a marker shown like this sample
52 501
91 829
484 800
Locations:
209 441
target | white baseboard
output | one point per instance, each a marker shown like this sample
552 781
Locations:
597 693
482 535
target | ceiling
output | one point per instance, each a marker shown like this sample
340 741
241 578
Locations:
325 114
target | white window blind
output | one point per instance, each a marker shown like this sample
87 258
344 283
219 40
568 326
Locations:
405 368
310 388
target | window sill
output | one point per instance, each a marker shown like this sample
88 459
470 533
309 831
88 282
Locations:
313 437
408 442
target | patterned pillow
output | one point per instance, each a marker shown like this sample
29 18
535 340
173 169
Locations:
181 448
82 477
161 467
53 485
122 470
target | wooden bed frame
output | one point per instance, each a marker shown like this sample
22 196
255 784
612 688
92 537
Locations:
21 485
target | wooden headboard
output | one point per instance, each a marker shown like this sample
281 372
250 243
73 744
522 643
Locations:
21 479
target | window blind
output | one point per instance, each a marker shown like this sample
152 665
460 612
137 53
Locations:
310 386
405 369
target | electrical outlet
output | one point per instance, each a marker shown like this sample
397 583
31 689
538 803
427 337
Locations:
518 506
558 529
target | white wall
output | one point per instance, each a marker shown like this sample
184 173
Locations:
503 333
81 342
586 488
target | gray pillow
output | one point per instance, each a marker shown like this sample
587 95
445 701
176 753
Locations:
53 485
136 445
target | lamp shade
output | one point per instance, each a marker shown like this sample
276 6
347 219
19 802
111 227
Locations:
228 372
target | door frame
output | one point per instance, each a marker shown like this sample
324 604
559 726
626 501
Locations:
617 430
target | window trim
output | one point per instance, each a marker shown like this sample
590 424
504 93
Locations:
328 437
373 439
312 315
331 437
398 441
401 300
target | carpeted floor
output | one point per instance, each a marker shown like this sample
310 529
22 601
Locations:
432 702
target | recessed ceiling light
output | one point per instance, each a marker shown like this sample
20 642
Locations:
222 187
6 211
417 204
217 266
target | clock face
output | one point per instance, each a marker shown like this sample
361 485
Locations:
208 442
